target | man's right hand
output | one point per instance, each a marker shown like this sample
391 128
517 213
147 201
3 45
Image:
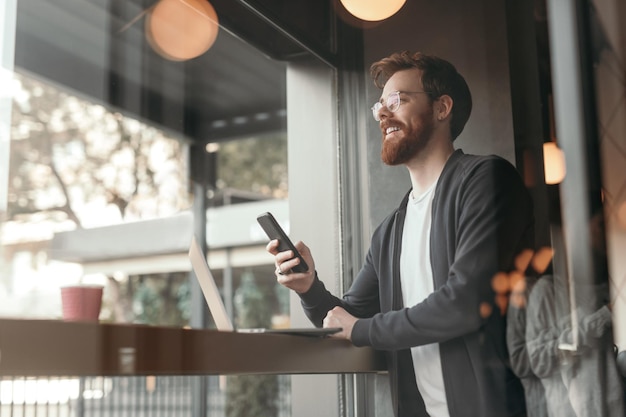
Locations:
300 282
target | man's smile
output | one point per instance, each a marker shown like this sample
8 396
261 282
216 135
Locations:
390 130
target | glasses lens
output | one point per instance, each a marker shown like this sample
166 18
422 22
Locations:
375 109
393 101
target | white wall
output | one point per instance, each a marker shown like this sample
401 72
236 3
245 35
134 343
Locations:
313 208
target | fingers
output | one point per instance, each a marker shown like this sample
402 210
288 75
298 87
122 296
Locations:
302 248
289 280
272 246
338 317
285 261
300 282
305 252
286 266
333 317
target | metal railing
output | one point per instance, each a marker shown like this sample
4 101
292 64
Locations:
136 396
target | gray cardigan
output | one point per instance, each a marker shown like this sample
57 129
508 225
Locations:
482 217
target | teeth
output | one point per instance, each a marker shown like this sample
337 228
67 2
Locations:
391 129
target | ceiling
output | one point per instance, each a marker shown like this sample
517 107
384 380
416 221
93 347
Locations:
98 49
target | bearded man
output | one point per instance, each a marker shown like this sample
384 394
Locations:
424 294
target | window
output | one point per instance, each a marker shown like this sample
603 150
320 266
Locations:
102 139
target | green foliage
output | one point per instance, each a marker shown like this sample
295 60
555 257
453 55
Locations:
252 395
257 165
282 297
252 303
160 299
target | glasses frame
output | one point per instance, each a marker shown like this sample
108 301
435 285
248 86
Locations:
389 104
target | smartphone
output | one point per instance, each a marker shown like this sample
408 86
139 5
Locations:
274 231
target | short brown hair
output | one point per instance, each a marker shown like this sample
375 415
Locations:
439 77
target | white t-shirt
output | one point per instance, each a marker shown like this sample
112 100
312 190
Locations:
416 278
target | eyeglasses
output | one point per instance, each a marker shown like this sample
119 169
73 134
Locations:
392 103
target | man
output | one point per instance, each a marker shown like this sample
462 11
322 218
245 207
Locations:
424 294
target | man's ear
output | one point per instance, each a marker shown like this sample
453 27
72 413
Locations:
443 107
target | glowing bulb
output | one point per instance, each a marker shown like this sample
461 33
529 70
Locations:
182 29
212 147
553 163
373 10
542 259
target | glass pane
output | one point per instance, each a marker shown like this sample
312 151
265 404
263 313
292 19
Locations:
113 104
564 319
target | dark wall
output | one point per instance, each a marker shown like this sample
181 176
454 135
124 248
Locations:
471 35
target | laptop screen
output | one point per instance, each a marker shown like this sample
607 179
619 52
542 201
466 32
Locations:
209 288
216 305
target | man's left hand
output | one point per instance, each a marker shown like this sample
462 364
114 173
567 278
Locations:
338 317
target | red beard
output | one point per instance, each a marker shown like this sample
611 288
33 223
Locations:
397 152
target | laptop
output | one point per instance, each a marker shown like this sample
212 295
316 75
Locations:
216 305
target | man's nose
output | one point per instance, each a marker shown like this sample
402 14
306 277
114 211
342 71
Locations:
383 112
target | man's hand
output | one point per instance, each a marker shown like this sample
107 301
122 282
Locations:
338 317
300 282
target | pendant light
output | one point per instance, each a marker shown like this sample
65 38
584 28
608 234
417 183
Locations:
181 29
373 10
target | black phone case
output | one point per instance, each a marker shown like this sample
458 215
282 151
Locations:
274 231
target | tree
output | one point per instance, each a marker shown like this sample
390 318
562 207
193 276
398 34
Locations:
73 160
75 164
257 165
252 395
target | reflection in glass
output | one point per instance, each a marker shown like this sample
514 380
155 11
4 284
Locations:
564 352
580 379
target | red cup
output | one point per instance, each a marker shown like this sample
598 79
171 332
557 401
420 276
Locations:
81 302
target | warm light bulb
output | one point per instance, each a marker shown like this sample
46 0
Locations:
553 163
542 259
212 147
182 29
373 10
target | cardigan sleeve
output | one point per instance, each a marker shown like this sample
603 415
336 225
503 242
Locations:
484 219
361 300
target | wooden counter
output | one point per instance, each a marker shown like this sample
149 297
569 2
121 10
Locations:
58 348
